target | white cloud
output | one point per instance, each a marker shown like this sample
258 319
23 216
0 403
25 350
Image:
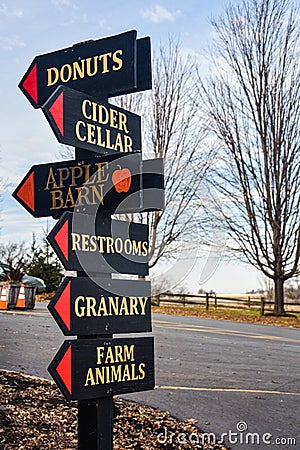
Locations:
60 4
10 42
10 12
159 14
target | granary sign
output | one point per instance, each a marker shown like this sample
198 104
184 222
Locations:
93 368
86 307
104 67
85 122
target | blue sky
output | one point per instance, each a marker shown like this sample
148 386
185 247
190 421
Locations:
33 27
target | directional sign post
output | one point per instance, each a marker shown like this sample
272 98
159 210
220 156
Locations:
111 66
85 122
100 245
108 176
86 307
92 368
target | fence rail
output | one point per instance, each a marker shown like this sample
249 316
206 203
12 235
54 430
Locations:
211 300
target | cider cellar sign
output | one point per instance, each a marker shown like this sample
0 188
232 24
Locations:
108 176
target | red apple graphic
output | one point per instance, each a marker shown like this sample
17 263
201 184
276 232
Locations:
121 179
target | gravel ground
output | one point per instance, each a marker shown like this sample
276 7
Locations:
34 415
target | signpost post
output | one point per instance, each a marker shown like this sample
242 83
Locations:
108 176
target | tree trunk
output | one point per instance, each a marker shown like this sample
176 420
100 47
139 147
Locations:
278 296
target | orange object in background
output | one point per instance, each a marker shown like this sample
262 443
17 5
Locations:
3 297
21 297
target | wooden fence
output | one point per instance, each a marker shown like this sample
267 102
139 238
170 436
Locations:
211 300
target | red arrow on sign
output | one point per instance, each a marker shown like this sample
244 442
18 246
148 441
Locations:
62 306
61 368
61 237
57 113
25 192
29 83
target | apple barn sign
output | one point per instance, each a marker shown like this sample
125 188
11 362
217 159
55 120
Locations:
108 176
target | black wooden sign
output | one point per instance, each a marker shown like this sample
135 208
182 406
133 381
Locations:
82 121
107 67
100 245
93 368
99 183
86 307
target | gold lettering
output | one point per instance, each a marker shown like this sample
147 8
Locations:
145 248
128 246
126 373
83 193
99 373
104 59
109 245
64 174
56 200
66 75
53 76
93 243
97 192
109 358
74 177
100 354
129 353
136 247
69 199
134 377
118 245
143 302
90 133
51 180
119 143
103 115
79 70
133 305
75 241
85 242
79 310
142 371
102 172
84 109
90 377
123 308
90 307
100 239
79 124
113 305
118 61
123 122
115 373
127 143
113 114
118 353
102 310
89 71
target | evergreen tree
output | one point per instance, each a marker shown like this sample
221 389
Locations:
44 264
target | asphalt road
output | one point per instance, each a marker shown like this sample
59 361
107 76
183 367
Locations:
235 378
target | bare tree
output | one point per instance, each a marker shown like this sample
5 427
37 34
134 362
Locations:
252 105
15 260
171 130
